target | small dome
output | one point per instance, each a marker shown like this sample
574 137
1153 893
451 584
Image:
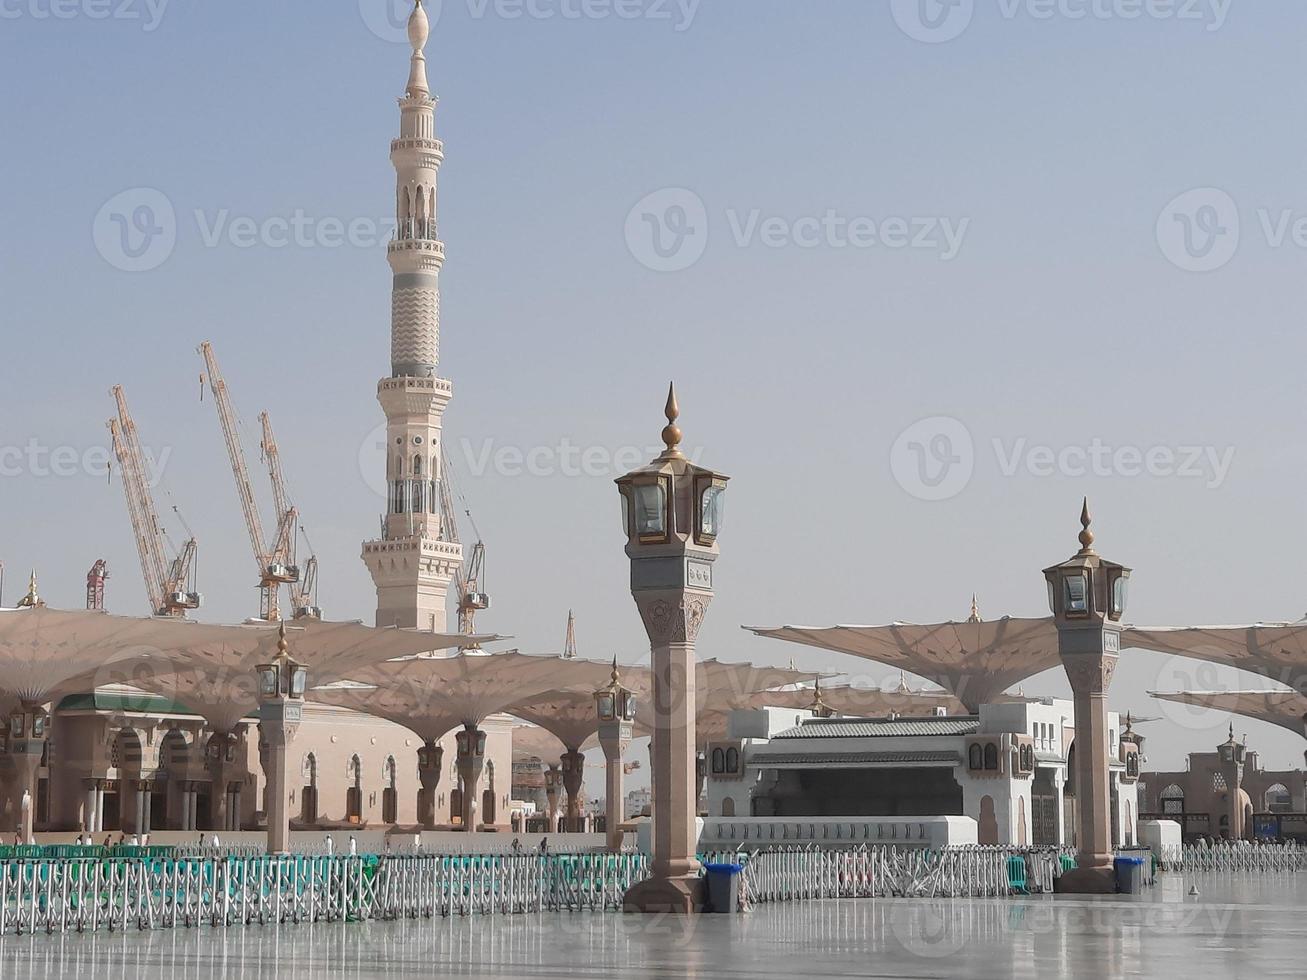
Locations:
419 28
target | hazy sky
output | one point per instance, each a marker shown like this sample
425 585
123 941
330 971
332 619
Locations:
924 276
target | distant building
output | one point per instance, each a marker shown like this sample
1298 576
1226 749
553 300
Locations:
1006 768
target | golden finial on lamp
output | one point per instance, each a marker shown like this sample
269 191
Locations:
1086 535
31 600
672 432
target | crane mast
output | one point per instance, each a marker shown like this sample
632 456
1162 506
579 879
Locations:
95 585
304 592
468 577
273 569
169 585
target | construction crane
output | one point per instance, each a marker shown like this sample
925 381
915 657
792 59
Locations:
170 585
95 585
469 578
276 563
304 592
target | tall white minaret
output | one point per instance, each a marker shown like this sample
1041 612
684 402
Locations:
412 563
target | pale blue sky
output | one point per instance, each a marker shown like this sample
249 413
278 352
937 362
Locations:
1056 144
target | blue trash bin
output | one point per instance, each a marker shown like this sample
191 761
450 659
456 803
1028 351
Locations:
723 887
1129 875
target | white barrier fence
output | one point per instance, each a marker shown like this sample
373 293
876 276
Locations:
1237 857
65 895
813 874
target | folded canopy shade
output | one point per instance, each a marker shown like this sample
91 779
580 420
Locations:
975 661
1287 709
1277 651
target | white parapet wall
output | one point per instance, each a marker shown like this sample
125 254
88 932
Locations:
757 833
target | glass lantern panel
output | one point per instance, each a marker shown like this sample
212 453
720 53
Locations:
710 511
268 682
299 680
38 726
16 726
626 513
607 707
1120 593
1052 597
1077 594
630 707
650 509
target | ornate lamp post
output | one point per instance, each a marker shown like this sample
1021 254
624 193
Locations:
1087 595
616 707
1231 754
471 760
672 512
573 767
282 684
26 745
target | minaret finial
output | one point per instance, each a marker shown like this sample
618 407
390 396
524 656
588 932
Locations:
672 433
419 30
975 609
1086 535
31 600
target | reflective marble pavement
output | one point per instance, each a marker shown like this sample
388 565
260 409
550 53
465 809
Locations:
1237 927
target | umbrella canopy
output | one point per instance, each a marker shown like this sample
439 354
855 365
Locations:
1277 651
976 661
1288 709
214 675
431 696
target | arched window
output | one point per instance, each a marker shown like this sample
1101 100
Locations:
1278 799
354 792
718 762
1172 800
390 795
991 757
733 760
309 793
1218 783
976 757
417 466
728 807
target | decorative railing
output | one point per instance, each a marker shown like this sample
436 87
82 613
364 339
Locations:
85 894
814 874
1236 857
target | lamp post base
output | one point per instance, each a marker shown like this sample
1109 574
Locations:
1087 881
679 896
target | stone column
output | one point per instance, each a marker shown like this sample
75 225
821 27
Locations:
573 766
25 769
551 796
1090 673
469 764
279 738
430 762
700 778
673 623
142 807
88 815
614 785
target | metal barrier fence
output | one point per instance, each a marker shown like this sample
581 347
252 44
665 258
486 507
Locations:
813 874
65 895
1237 857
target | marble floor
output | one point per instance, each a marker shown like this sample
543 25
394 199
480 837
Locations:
1237 927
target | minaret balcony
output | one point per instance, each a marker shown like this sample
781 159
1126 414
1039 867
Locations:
419 151
430 247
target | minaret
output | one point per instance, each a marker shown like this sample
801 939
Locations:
416 557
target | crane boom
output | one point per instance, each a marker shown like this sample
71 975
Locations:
303 595
236 453
466 577
169 585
